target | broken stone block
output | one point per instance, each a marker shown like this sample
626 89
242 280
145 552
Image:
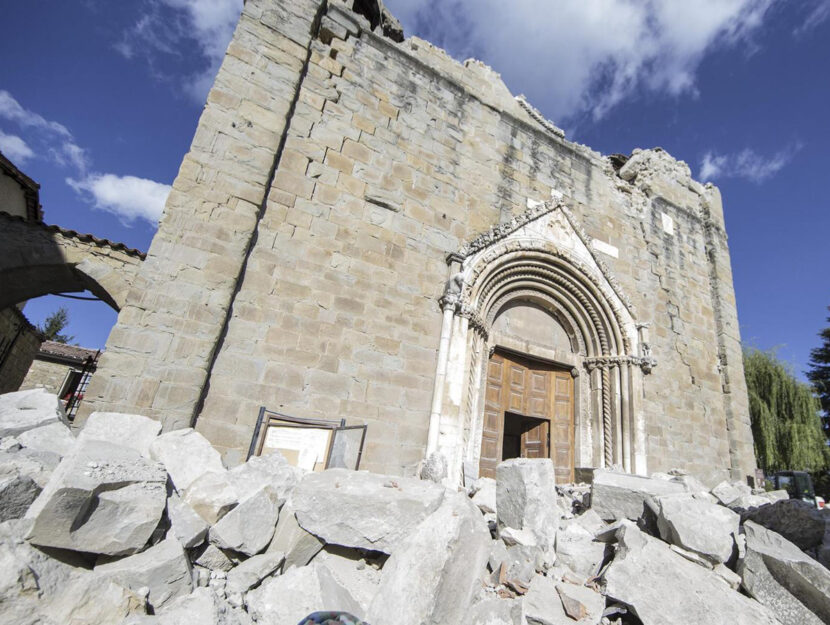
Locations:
622 496
485 494
663 588
249 527
542 605
54 438
27 574
130 430
297 544
202 606
17 492
797 521
186 455
270 470
26 410
252 571
511 536
576 549
777 573
728 576
212 496
697 525
355 572
187 526
91 600
102 498
36 465
373 511
213 558
163 568
290 597
431 576
526 500
580 603
497 612
728 492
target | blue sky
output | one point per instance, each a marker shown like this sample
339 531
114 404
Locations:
99 101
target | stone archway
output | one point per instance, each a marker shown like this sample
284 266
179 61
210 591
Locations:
39 259
543 259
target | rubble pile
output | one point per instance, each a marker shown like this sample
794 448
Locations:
127 525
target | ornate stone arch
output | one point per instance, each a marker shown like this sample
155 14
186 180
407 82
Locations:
543 258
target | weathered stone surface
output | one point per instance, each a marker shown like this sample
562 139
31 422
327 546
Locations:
212 496
253 570
526 500
249 527
27 574
777 573
163 568
497 612
621 495
576 549
90 600
54 438
297 544
796 520
213 558
431 575
728 492
102 498
485 494
290 597
663 588
17 492
580 603
542 605
129 430
373 511
25 410
359 576
186 455
202 606
697 525
270 470
36 465
187 526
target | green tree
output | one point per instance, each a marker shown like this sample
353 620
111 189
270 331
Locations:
53 325
819 375
785 417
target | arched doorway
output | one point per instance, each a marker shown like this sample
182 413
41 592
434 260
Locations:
532 291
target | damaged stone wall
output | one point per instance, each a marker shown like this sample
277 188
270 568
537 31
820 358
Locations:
302 253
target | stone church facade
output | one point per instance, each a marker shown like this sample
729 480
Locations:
366 229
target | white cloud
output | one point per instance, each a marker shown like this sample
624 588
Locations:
51 137
170 26
577 57
747 164
15 148
818 14
128 197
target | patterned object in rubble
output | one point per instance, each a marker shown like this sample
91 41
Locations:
331 618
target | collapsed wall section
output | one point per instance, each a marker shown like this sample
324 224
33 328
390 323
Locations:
315 291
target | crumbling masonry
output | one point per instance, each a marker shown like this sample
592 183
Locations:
365 228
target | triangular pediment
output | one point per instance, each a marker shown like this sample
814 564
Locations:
546 225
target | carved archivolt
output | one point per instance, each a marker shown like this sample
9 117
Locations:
544 257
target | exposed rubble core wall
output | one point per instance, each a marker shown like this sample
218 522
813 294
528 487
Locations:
317 291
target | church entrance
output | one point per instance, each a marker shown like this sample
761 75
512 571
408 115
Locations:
528 413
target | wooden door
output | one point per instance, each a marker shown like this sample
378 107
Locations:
542 396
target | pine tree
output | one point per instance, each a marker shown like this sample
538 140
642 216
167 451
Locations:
819 375
53 325
785 417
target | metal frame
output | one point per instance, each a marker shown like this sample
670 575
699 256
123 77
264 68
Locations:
265 416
